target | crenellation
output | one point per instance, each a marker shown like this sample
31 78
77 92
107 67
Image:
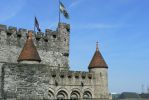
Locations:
45 37
47 43
11 30
11 36
39 35
3 27
48 31
22 32
61 78
64 26
71 74
49 35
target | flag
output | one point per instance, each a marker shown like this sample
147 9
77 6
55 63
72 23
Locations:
63 10
37 24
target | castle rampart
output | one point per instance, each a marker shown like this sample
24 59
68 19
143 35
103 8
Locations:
51 78
53 46
35 79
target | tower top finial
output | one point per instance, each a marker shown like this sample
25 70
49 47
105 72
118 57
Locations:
30 35
97 48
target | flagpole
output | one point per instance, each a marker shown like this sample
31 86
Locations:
34 23
34 26
59 13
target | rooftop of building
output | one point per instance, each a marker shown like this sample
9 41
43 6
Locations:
126 95
29 51
97 60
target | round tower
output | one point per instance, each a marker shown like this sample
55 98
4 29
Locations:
29 52
100 68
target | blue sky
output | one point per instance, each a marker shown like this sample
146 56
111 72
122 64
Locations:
120 26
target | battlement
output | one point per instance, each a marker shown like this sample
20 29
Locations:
72 74
52 45
5 27
11 34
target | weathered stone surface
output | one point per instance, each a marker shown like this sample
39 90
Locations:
51 79
36 79
51 46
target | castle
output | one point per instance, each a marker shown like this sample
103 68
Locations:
35 66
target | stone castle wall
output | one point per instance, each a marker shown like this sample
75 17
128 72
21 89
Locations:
52 46
38 80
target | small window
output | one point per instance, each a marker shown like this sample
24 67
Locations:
69 76
68 29
101 75
83 77
66 54
54 36
76 77
62 75
65 40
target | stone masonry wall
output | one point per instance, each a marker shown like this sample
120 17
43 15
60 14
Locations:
38 80
1 64
53 46
101 82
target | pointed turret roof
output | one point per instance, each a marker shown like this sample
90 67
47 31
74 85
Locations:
97 60
29 51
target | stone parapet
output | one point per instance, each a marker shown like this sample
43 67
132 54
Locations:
53 46
49 37
80 75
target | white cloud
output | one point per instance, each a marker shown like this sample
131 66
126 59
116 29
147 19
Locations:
9 8
75 3
96 26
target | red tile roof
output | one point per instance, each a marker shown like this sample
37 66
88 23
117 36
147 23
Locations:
97 60
29 51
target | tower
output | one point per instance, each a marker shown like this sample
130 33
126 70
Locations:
100 68
64 32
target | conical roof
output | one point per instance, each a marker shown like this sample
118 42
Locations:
97 60
29 51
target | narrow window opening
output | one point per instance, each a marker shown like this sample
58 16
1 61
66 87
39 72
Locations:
65 40
54 36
